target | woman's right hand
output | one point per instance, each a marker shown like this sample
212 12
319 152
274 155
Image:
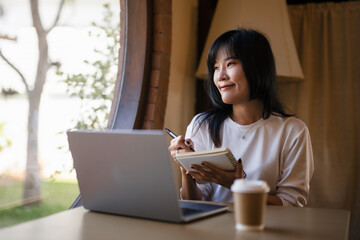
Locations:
178 145
190 191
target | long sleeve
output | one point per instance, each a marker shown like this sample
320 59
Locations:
297 167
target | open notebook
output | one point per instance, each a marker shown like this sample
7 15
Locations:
129 172
219 157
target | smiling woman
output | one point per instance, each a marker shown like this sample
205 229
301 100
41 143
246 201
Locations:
248 118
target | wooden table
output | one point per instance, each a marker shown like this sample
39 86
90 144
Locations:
280 223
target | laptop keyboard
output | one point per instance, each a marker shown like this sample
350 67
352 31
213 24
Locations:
194 208
190 211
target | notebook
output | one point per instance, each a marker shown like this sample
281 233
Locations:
130 173
219 157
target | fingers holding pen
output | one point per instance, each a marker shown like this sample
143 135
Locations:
190 144
179 144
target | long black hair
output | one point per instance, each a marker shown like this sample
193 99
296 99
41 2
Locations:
257 60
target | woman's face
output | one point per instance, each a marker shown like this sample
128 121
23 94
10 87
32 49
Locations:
230 79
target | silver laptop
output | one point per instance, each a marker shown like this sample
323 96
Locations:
129 172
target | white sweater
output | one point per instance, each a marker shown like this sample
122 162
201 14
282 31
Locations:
277 150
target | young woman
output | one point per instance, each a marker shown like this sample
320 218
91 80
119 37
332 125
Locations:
248 119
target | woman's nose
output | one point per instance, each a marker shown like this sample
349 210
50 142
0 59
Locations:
222 74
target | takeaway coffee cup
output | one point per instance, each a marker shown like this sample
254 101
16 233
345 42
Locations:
249 204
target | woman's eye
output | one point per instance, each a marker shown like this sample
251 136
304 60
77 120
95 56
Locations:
230 64
216 68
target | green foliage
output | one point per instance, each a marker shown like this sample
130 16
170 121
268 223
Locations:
4 141
56 196
96 88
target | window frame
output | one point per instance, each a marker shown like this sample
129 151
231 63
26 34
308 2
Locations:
134 66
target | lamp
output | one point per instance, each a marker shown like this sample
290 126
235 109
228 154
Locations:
268 17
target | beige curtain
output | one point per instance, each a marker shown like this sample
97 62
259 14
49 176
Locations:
327 37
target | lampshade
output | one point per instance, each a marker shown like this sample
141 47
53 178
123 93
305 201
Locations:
268 17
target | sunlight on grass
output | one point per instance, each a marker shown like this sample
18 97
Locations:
57 196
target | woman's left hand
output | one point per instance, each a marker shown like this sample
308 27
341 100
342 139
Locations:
209 173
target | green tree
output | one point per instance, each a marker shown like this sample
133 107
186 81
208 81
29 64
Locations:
34 92
95 89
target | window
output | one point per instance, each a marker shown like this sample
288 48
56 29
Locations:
69 45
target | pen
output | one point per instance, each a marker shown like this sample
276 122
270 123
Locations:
173 135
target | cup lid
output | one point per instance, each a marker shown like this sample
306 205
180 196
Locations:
250 186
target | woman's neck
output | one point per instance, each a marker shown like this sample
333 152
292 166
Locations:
247 113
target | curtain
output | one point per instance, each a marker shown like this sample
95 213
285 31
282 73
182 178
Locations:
327 37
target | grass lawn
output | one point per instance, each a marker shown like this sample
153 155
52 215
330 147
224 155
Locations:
57 196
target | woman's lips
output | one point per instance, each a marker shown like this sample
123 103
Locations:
226 86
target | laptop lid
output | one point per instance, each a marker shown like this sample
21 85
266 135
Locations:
127 172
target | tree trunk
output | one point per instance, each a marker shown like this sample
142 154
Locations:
32 187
